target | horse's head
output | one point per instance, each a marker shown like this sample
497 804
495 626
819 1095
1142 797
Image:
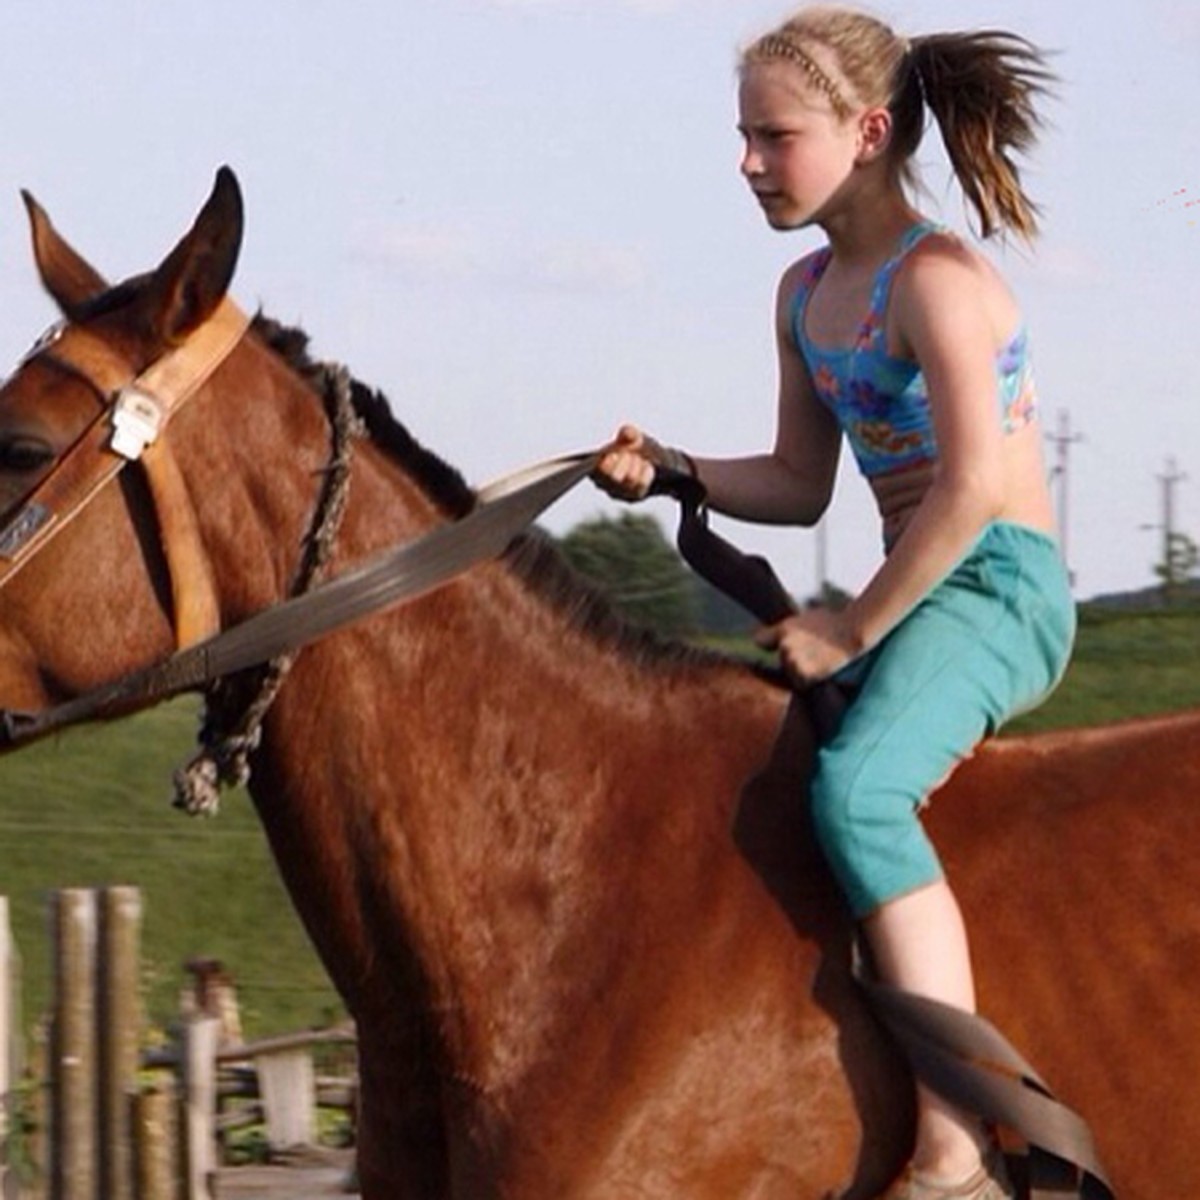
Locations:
92 541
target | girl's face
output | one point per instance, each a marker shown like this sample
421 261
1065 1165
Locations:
799 154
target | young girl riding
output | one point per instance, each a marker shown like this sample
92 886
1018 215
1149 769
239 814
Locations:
904 340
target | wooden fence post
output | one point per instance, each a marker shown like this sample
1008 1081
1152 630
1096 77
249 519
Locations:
289 1097
200 1038
73 1047
118 1035
36 1071
155 1135
7 1043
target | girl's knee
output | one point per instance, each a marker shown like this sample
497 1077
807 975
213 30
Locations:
829 797
838 820
870 833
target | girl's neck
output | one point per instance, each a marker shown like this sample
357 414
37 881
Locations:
866 230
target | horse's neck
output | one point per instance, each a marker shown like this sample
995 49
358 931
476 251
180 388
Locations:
462 792
257 471
473 772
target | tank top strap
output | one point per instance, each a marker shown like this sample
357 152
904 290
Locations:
913 236
810 269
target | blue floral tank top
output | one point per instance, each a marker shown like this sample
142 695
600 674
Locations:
881 401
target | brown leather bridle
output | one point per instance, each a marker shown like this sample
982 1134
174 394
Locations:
129 426
135 412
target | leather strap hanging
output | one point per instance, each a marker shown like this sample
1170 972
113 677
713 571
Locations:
194 604
964 1058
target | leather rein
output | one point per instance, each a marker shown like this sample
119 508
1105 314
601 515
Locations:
135 413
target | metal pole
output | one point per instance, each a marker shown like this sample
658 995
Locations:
1168 480
822 559
1062 440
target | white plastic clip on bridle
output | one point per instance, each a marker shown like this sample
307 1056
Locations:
137 418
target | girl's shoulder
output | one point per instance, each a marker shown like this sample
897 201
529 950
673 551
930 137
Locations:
944 275
943 264
936 244
803 274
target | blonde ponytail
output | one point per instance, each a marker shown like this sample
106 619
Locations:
982 90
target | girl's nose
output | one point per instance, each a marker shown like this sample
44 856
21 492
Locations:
751 163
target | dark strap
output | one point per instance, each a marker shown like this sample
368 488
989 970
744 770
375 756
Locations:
964 1058
961 1056
747 579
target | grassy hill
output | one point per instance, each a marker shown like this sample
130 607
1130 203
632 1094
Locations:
91 807
1126 664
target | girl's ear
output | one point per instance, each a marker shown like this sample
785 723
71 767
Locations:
874 134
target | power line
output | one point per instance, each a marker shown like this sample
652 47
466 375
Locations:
1172 540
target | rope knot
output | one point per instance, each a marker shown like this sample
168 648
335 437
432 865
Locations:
198 784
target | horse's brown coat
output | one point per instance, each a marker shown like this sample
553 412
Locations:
562 878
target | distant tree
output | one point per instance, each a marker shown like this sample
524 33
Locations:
631 560
1180 559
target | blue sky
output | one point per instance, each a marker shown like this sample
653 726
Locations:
522 220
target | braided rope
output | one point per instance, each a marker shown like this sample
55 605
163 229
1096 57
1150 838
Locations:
228 737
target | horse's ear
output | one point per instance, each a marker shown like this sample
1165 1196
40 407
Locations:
70 279
193 278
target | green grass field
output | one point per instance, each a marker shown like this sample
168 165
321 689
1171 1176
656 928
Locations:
91 807
1126 664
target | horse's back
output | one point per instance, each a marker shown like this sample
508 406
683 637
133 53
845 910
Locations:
1074 856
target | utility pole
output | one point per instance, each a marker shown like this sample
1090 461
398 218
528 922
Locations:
1170 478
822 560
1062 440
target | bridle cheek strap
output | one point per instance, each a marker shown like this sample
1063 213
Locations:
194 604
133 428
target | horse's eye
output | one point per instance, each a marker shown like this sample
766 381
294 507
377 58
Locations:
22 453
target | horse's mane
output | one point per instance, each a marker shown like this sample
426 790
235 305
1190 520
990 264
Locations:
533 556
441 482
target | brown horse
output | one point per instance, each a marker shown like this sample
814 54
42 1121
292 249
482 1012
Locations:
560 873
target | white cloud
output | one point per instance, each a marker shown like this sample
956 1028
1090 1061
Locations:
1050 263
424 255
589 267
1179 20
1067 264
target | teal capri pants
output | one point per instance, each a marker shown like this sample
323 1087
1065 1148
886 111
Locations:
990 641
